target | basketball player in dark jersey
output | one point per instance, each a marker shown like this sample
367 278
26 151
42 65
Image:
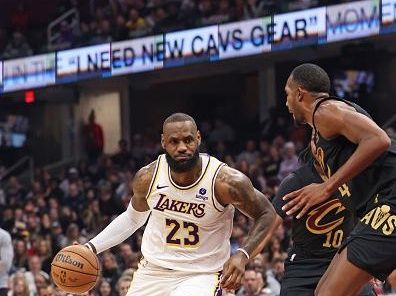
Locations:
316 237
358 161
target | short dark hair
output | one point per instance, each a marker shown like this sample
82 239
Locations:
312 78
179 117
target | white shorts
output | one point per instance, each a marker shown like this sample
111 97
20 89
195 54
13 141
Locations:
152 280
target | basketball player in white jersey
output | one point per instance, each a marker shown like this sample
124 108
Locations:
191 199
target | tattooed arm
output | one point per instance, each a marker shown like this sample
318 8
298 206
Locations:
233 187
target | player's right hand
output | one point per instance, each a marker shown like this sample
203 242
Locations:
234 271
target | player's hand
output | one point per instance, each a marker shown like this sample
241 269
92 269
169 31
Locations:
300 201
234 271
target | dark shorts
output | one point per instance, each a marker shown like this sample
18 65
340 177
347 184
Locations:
371 245
297 292
286 290
309 290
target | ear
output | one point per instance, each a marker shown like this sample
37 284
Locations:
199 137
162 141
301 93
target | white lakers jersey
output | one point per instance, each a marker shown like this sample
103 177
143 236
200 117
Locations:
188 229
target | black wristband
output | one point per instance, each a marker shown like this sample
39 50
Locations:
92 247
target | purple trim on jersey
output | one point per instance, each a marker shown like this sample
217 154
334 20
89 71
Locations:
219 290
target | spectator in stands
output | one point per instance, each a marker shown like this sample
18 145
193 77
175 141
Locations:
237 10
257 178
159 19
45 223
54 190
104 288
73 234
48 290
20 256
120 31
94 138
250 154
110 272
109 205
74 199
173 22
35 269
124 254
253 9
103 34
289 162
72 176
133 261
41 280
205 10
187 13
17 47
254 285
237 237
221 132
123 155
15 189
20 286
44 251
220 150
123 285
57 236
66 36
138 150
84 34
92 218
222 13
274 275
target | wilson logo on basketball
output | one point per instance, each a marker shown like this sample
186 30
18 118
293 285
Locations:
67 259
315 218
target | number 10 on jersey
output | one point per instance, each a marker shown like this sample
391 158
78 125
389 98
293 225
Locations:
182 234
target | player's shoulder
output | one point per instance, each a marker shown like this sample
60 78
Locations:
4 235
229 176
142 179
230 184
331 109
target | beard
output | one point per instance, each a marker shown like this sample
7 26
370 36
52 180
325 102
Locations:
182 166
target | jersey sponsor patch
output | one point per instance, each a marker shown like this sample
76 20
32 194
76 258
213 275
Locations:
202 194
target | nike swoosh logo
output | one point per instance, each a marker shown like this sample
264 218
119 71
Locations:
161 187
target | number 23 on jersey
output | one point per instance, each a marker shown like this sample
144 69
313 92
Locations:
182 234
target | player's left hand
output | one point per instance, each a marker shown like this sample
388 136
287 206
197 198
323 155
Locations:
234 271
300 201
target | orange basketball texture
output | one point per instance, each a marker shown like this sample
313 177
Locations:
75 269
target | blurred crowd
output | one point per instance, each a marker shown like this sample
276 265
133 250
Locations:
57 209
23 26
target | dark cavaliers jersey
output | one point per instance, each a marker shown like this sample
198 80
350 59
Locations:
316 236
358 194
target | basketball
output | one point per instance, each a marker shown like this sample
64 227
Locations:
75 269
